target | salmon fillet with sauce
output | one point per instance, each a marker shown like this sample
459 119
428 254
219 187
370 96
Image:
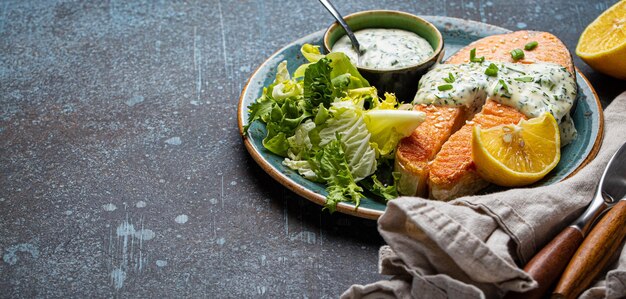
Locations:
414 153
453 173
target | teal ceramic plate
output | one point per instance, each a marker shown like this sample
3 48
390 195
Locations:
457 33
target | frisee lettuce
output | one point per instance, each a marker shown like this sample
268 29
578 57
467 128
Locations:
380 189
330 165
318 88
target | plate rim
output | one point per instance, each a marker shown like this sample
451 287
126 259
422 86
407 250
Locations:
598 141
364 212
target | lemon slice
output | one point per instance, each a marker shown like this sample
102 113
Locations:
517 155
603 43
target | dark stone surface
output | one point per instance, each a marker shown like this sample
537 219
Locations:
122 172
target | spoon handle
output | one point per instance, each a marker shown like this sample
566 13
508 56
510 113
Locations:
333 11
594 253
547 265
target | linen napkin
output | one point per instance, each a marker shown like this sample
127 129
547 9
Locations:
471 247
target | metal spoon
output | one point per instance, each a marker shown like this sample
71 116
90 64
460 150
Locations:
547 265
333 11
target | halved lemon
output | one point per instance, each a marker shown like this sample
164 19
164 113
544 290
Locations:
517 155
603 43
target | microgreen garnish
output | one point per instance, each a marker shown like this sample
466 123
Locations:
517 54
515 70
444 87
492 70
531 45
524 79
473 57
450 78
506 87
500 85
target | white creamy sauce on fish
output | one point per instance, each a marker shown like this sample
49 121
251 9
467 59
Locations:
533 89
385 48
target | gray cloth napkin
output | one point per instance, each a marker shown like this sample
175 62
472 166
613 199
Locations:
469 247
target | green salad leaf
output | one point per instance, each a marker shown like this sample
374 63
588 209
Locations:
259 110
300 142
318 88
347 123
283 86
283 120
378 188
282 107
341 65
311 52
330 165
389 126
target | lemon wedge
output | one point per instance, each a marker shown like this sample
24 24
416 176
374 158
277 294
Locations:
603 43
517 155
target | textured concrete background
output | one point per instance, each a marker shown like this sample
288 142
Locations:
122 173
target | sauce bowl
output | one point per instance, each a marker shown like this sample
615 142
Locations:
402 81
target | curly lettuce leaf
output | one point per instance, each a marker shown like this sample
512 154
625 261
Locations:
318 88
321 86
331 166
384 182
367 98
380 189
282 108
282 121
260 109
363 97
390 102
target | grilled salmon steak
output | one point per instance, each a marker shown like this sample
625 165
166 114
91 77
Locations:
436 160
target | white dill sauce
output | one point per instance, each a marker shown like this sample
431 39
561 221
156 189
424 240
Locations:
384 49
533 89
